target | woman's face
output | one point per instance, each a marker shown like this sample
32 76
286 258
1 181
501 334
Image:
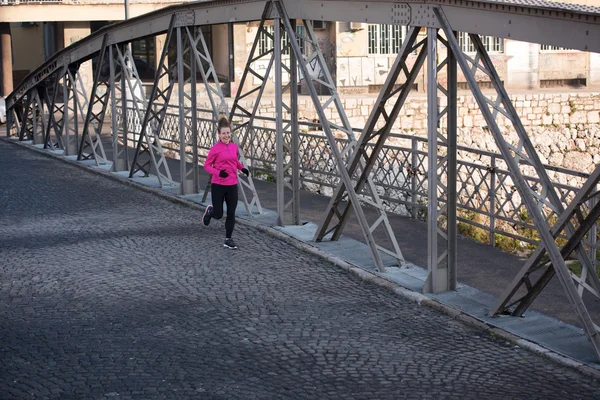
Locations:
225 134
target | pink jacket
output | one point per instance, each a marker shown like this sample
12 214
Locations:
223 156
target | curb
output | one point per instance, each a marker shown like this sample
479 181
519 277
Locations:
362 273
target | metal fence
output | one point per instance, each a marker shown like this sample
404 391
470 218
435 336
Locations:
487 198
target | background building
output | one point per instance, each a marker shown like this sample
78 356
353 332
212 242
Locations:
359 55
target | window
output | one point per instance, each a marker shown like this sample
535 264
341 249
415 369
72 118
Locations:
547 47
144 57
172 54
266 43
385 39
490 43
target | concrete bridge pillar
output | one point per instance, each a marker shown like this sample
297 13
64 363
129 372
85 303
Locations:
6 53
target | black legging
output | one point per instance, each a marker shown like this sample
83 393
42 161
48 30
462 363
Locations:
228 194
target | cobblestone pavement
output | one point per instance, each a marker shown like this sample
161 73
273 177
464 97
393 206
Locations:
109 292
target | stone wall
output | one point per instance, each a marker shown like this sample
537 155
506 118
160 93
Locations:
563 127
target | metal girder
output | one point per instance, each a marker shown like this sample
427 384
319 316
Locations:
126 85
116 81
317 63
75 104
527 285
208 74
203 61
33 126
362 161
488 17
131 87
441 198
201 57
149 150
286 133
28 117
186 61
242 129
53 138
288 171
39 113
538 199
13 120
90 138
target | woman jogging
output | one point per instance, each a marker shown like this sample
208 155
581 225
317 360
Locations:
223 164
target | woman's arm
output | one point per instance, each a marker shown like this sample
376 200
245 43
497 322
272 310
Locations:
210 159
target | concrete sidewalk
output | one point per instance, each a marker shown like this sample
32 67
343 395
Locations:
550 328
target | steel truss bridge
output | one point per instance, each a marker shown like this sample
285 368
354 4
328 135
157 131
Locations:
51 104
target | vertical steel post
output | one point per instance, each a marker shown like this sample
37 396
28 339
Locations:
118 159
26 127
184 186
436 281
327 127
66 114
362 154
593 238
69 102
524 151
91 138
194 116
279 123
34 113
286 131
42 105
149 142
451 170
295 136
591 203
125 112
231 55
51 110
492 196
441 261
412 175
78 108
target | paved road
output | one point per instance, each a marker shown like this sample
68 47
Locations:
108 292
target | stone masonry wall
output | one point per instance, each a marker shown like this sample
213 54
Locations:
563 127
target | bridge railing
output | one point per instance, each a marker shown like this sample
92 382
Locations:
490 208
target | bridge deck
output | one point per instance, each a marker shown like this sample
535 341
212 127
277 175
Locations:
483 271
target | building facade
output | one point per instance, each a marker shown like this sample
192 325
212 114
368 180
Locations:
359 55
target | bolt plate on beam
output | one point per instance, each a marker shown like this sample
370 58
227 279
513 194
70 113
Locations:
400 14
422 15
185 18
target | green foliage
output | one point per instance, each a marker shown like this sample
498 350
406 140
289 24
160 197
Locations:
573 108
502 242
471 231
268 175
507 244
575 266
